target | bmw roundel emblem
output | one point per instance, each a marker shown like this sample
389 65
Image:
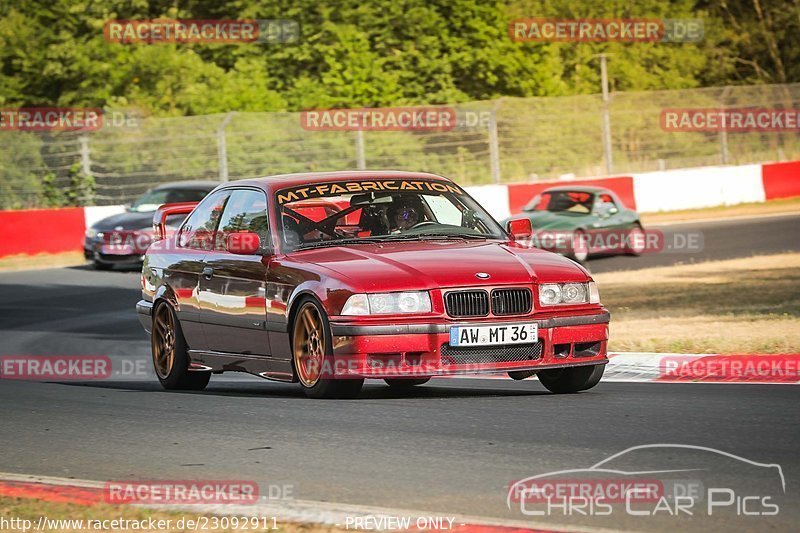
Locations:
482 275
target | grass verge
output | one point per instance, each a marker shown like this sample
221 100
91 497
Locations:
772 207
749 305
69 517
32 262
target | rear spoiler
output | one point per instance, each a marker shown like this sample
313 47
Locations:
167 210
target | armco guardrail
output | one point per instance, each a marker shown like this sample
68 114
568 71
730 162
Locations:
61 230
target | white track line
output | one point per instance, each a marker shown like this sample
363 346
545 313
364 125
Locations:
720 219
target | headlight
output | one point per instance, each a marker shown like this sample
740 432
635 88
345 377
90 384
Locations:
574 293
568 293
550 294
92 233
388 303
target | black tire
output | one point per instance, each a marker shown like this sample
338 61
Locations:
99 265
594 379
315 385
519 375
579 253
405 383
630 249
173 374
570 380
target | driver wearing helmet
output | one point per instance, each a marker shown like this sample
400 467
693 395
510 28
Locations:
403 215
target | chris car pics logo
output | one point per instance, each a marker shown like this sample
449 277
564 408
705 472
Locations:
656 480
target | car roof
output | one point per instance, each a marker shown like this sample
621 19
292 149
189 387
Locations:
577 188
191 184
281 181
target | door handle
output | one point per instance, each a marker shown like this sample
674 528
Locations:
208 272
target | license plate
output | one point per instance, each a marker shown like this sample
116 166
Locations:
493 335
117 249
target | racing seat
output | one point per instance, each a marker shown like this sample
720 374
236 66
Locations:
291 231
373 219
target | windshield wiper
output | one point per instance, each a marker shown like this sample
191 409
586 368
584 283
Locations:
339 242
393 238
464 236
450 236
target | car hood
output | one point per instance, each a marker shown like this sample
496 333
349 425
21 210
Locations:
128 221
434 264
546 220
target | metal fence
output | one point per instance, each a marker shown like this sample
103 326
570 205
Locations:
499 141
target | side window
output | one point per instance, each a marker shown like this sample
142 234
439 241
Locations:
246 210
607 199
198 230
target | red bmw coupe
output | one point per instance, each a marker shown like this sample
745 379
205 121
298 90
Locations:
329 278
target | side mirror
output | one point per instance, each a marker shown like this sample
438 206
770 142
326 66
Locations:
243 243
520 229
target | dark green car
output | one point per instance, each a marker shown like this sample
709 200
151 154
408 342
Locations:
580 221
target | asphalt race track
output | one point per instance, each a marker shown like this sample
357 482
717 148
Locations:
718 240
452 446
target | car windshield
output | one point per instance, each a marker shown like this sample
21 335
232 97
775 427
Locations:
364 211
152 200
579 202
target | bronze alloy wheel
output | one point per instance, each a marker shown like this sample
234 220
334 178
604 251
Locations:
308 345
163 341
170 353
312 350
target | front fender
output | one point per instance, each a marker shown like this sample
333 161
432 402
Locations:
312 288
331 293
165 292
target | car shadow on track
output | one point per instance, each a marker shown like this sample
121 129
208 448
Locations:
89 267
370 391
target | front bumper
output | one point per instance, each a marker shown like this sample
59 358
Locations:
113 259
422 349
144 310
113 252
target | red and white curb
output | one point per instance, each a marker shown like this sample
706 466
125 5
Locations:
635 367
89 493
